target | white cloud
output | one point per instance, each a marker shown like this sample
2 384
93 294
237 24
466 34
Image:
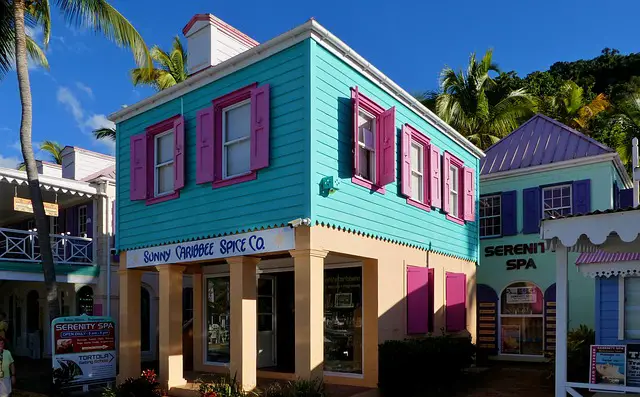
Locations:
9 162
66 97
83 87
16 146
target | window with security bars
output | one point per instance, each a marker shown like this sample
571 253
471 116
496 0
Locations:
556 201
490 216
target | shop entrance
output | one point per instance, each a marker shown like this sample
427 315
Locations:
266 321
522 320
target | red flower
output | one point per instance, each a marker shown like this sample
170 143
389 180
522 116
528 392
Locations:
149 375
210 394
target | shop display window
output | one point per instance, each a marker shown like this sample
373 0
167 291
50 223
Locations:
218 311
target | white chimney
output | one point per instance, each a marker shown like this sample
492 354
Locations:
78 163
211 41
49 169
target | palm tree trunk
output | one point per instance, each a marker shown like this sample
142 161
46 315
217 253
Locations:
42 222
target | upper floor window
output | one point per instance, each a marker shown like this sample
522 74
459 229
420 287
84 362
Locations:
490 216
556 201
232 137
157 162
82 220
459 190
374 134
454 190
417 172
420 170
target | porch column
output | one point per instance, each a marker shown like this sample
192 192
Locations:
244 330
561 319
170 325
308 266
198 320
129 324
370 295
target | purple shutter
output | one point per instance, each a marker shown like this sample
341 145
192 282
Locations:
355 96
405 166
469 204
90 216
616 196
446 181
508 212
435 177
138 171
626 198
178 153
260 127
204 145
456 301
387 151
71 220
581 196
417 300
531 210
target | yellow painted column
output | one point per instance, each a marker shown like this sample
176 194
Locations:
244 330
370 321
129 324
170 325
198 321
308 266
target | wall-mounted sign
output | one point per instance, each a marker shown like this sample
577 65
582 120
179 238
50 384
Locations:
263 241
516 295
608 364
516 249
83 350
511 339
24 205
633 365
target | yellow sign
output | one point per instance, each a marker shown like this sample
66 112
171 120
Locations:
24 205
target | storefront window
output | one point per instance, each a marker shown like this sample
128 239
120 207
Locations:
343 320
521 319
218 310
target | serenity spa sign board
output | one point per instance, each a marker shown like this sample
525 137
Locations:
262 241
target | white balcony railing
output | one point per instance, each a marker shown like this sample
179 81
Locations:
22 246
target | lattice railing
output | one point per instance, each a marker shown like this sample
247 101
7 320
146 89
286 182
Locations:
22 246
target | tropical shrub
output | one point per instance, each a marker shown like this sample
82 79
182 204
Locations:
414 366
297 388
144 386
221 386
579 341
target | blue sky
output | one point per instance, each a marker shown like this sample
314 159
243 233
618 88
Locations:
409 41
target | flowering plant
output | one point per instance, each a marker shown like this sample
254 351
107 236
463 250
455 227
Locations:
150 376
210 394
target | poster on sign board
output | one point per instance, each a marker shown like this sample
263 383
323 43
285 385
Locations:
83 350
521 295
607 365
633 365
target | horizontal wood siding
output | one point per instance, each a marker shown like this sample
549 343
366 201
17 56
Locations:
354 207
607 317
277 196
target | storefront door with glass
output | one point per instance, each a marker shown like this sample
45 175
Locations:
521 320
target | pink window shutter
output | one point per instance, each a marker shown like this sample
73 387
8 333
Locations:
138 167
446 181
456 301
178 153
406 161
436 177
469 204
387 151
260 127
355 96
417 300
204 145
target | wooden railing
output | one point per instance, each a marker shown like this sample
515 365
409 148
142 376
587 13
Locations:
22 246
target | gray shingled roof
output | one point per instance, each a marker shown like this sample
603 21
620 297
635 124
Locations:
539 141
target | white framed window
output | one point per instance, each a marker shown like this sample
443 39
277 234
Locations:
417 172
454 201
556 201
367 146
236 139
163 163
490 216
82 220
630 309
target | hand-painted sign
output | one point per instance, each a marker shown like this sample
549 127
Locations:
516 295
608 364
83 350
270 240
516 249
24 205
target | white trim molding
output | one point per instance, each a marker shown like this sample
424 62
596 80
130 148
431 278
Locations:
613 269
59 185
310 29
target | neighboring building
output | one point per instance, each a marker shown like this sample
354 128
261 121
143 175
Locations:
83 188
320 208
540 170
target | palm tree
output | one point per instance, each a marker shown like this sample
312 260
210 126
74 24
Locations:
570 107
98 15
626 122
105 133
464 104
54 149
171 70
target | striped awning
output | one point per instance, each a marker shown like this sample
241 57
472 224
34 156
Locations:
607 257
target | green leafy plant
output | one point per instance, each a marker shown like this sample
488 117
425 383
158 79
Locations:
411 366
144 386
296 388
221 386
579 341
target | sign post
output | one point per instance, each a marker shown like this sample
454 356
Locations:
83 350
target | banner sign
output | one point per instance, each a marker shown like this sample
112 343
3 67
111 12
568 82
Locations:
633 365
608 364
517 295
24 205
83 350
262 241
511 339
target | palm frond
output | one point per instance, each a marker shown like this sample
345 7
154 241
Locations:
40 15
105 133
54 149
507 114
36 54
7 41
100 16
